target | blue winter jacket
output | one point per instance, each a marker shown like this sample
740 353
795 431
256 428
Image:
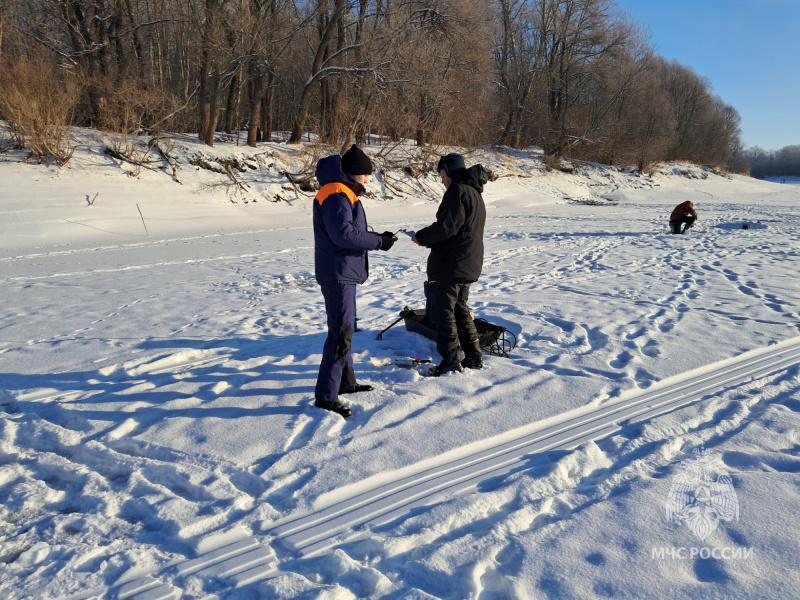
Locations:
341 239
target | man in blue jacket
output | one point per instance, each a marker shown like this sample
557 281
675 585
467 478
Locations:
455 262
341 243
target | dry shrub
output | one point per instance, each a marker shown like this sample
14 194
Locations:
552 162
305 178
649 168
509 161
125 111
38 102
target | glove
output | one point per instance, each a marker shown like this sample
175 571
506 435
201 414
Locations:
387 240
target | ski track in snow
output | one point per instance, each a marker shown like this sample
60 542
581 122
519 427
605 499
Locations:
51 455
112 468
314 533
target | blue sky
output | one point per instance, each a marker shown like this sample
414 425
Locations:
748 49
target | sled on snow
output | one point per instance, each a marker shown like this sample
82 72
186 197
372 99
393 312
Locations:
494 339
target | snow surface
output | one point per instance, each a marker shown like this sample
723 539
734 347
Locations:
789 179
158 432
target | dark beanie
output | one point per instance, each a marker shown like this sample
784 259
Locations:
450 164
355 162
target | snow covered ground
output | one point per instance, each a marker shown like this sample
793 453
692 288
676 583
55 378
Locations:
794 180
157 437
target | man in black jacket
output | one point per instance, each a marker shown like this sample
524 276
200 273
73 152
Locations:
456 261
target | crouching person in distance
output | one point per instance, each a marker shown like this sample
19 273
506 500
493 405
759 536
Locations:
455 262
683 214
341 243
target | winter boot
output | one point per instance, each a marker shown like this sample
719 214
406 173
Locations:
472 350
472 362
355 388
334 406
443 368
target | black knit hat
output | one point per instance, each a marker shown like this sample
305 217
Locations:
450 164
355 162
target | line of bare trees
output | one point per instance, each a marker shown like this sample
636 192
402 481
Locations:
773 163
573 76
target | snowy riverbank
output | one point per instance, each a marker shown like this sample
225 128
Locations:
156 385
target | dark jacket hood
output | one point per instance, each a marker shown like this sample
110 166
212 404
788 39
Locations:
329 170
476 176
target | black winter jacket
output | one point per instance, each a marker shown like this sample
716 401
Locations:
456 238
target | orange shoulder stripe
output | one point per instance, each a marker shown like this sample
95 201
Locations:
335 188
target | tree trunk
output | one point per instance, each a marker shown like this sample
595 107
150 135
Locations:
213 109
137 43
204 97
305 97
302 115
256 94
231 106
268 107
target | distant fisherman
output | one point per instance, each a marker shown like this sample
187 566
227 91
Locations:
683 214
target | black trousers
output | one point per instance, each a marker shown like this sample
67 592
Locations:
336 367
455 328
687 222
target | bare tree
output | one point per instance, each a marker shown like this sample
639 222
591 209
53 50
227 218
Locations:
210 14
647 127
267 46
578 36
323 65
689 97
517 54
569 75
443 69
5 18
